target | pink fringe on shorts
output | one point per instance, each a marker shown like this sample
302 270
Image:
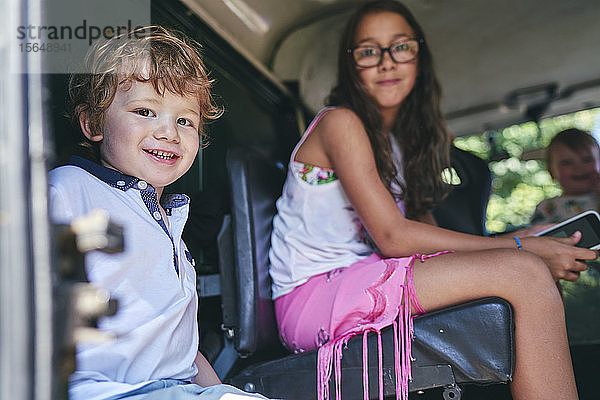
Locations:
330 354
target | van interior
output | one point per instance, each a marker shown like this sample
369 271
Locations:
501 63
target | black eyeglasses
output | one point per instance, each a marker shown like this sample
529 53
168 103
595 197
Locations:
371 55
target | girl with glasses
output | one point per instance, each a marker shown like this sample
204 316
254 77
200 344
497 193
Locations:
354 245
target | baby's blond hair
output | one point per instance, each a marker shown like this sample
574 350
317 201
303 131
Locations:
574 139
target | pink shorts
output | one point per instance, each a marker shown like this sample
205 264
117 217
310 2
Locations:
330 308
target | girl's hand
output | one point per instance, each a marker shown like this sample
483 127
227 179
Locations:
564 260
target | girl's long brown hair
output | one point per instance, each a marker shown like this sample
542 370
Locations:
419 127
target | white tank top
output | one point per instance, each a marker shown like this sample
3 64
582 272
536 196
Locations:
316 229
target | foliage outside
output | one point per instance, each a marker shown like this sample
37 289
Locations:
515 156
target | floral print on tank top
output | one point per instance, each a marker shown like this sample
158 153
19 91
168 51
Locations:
319 176
312 174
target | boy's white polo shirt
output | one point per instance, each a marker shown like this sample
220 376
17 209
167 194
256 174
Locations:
153 280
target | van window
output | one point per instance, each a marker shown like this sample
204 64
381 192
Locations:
515 155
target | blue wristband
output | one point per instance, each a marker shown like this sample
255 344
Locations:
519 245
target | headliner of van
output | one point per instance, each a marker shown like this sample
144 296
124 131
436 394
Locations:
494 58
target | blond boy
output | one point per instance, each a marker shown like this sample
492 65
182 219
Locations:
140 105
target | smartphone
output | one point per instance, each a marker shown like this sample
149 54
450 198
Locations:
588 223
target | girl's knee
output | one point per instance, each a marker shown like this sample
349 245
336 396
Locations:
527 266
530 276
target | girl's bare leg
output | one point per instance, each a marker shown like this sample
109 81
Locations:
543 362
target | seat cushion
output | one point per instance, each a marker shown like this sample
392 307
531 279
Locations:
466 343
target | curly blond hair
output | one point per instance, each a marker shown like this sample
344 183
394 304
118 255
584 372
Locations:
167 59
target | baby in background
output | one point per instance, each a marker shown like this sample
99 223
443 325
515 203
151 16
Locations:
573 160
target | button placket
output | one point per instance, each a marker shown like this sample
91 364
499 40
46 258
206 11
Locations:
149 197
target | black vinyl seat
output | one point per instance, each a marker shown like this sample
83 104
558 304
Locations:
465 207
466 343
